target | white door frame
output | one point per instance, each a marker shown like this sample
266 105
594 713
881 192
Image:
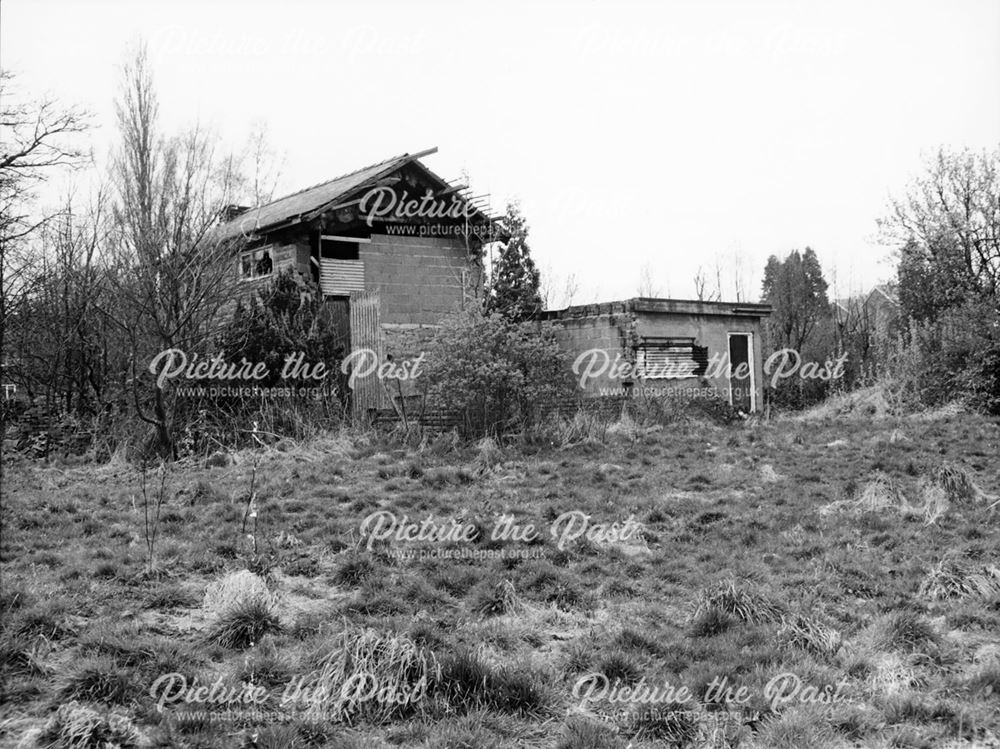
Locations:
750 362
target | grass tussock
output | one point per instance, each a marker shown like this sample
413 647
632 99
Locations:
100 680
235 589
489 456
369 674
742 604
719 607
798 727
583 733
244 624
881 493
956 482
810 633
76 726
673 727
496 599
906 631
954 577
469 682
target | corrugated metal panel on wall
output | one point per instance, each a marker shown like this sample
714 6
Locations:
670 361
341 277
366 333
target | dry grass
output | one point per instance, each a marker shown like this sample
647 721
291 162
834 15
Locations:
954 577
235 589
76 726
894 593
743 604
371 674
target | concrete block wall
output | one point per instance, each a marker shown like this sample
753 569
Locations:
711 331
419 279
607 331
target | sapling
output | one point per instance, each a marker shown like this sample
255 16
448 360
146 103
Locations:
151 514
250 512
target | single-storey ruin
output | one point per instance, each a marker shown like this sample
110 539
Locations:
666 348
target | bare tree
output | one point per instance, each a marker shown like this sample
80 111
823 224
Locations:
170 266
701 285
61 351
38 138
947 231
739 277
647 286
558 292
266 166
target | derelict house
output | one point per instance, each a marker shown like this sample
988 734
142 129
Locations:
394 248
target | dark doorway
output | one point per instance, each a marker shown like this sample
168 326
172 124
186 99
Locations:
740 373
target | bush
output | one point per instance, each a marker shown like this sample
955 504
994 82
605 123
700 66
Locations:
497 376
285 317
955 357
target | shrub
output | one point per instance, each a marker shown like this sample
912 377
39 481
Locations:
953 357
283 318
497 376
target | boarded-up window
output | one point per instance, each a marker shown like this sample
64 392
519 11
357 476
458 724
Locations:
671 358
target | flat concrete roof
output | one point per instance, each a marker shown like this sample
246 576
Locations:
663 307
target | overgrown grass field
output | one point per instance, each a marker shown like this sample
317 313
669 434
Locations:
859 558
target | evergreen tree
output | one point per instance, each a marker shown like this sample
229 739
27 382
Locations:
796 289
514 286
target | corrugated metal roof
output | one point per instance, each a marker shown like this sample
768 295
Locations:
307 200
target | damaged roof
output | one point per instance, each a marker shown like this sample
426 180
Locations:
318 198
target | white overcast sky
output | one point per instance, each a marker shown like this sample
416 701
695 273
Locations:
665 135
